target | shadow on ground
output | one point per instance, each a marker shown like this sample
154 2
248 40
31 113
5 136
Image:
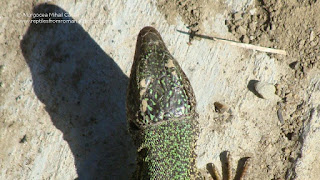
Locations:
84 92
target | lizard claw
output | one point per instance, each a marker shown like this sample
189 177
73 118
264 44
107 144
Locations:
242 168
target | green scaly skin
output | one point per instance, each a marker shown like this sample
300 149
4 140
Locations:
161 112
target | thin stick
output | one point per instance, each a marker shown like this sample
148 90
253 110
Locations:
235 43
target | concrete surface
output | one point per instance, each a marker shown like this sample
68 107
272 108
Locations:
63 88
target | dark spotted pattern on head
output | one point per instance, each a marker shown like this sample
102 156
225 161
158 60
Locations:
158 89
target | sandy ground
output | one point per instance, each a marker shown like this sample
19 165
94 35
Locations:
63 85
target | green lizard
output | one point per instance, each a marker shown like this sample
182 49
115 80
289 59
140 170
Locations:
161 112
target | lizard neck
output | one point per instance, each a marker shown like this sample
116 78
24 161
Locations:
168 150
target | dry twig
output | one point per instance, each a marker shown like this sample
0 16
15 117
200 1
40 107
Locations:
239 44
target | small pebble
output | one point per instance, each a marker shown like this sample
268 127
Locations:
265 90
312 36
278 89
221 107
280 117
241 30
313 43
245 39
253 11
23 139
1 69
252 26
294 65
105 8
237 16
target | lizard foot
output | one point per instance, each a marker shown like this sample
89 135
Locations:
242 168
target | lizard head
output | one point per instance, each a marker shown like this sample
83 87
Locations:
158 88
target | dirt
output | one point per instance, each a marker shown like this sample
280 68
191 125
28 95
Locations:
193 13
190 11
292 26
281 25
